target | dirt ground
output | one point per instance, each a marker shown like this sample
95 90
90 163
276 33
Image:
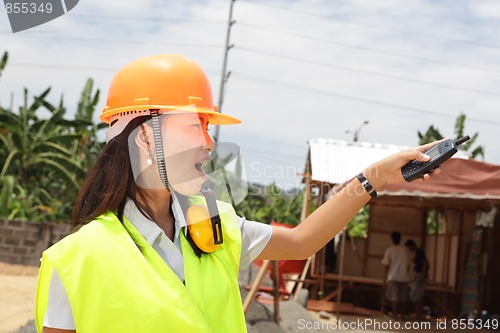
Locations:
17 300
17 296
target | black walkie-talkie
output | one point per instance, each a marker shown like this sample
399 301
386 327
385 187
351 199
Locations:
438 155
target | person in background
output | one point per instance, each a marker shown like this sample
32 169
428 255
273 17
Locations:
397 265
421 268
153 250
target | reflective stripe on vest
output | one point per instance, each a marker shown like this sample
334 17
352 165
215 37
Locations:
116 282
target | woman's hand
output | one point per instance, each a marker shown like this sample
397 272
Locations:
388 170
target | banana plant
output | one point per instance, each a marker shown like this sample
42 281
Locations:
46 157
89 144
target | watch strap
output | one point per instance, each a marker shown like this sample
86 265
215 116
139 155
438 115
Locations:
367 185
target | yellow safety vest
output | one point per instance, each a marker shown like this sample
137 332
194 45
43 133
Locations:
116 282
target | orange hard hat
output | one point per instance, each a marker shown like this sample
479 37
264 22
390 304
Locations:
165 82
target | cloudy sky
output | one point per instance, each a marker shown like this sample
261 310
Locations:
300 69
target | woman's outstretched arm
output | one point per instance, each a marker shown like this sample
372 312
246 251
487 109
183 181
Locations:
325 222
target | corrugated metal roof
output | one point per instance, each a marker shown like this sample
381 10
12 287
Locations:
337 161
461 179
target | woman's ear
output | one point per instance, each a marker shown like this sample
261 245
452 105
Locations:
143 141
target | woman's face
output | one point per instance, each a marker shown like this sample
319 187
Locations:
186 144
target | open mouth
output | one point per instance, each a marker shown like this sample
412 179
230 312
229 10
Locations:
199 165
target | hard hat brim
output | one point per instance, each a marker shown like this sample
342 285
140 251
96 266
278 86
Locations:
214 117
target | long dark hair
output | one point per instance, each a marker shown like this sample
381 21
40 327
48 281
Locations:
110 180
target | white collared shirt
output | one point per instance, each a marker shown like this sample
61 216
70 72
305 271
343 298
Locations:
156 237
254 237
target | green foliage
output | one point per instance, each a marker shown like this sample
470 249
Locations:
433 134
254 206
7 184
358 226
3 62
43 160
467 146
283 208
434 222
270 204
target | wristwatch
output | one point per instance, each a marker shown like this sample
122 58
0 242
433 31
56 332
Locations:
367 185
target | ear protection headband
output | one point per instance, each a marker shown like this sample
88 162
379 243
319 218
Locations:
204 223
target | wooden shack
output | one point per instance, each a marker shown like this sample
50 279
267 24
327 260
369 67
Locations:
453 217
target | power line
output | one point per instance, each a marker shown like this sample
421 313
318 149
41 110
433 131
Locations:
362 71
181 44
115 41
144 19
354 98
365 48
63 67
375 26
77 68
266 4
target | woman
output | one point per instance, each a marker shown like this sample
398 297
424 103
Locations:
150 253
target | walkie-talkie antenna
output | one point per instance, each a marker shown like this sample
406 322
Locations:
462 140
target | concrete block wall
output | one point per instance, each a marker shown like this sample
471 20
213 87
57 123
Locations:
22 243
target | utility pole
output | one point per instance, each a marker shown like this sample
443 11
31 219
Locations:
225 75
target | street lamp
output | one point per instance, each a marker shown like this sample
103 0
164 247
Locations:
356 132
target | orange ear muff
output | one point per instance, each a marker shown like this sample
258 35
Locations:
200 228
